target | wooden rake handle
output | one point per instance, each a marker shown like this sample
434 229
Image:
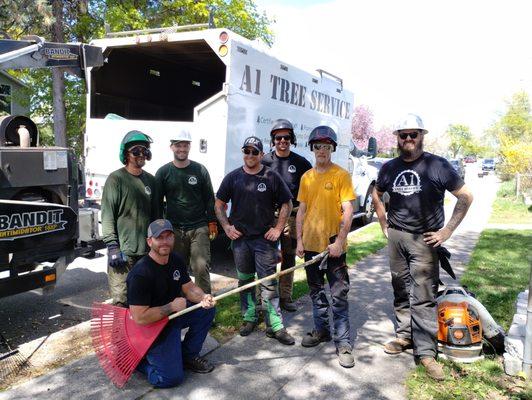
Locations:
252 284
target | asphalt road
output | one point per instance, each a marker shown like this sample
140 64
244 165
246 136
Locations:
31 315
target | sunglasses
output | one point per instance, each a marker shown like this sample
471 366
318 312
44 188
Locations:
322 146
140 151
255 152
283 137
412 135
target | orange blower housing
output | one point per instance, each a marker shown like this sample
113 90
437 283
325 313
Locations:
458 324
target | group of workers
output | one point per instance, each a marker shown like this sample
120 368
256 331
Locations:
157 227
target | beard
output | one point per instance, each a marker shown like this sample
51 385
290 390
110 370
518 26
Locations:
406 151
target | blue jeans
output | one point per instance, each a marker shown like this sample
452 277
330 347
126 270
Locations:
258 255
163 364
338 279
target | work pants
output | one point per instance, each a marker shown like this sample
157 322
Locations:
117 280
288 241
256 255
163 364
195 248
338 278
414 267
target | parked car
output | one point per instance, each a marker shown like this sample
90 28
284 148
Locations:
470 159
459 167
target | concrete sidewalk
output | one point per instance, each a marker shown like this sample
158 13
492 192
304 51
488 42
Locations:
256 367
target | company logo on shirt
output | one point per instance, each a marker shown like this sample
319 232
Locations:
329 186
177 275
292 169
261 187
407 183
147 189
192 180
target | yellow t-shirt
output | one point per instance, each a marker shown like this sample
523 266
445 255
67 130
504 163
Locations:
323 193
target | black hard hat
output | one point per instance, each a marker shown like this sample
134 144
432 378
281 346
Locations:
323 133
281 123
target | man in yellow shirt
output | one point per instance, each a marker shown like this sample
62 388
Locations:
322 222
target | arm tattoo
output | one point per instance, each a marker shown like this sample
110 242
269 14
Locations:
459 212
221 215
166 310
284 212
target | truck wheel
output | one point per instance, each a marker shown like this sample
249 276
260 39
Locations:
369 210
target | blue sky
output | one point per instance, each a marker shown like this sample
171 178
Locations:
451 62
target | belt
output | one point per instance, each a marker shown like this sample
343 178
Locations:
397 228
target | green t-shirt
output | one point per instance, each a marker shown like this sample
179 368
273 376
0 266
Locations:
129 205
189 195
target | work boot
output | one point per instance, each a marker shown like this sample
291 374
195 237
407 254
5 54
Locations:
198 364
314 338
288 305
246 328
433 368
397 346
281 335
345 357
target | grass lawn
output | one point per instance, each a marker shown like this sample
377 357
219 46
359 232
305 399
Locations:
498 270
361 244
507 209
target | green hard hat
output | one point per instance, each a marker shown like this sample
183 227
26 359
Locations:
133 136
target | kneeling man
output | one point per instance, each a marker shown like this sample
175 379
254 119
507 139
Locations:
157 286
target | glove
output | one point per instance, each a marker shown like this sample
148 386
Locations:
115 257
213 230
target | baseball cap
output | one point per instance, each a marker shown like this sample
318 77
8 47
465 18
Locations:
254 142
159 226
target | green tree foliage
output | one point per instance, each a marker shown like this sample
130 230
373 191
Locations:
84 20
461 140
513 133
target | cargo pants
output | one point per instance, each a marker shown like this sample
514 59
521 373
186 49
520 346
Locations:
414 268
195 248
117 280
288 241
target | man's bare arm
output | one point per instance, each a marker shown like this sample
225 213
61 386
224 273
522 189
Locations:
300 217
380 210
284 213
231 232
144 315
336 249
464 198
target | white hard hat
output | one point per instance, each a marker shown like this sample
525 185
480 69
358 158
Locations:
410 121
182 136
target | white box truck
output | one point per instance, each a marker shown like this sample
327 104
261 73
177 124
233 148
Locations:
219 85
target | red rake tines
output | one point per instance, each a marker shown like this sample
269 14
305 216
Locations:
119 342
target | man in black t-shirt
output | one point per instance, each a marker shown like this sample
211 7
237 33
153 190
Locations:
157 286
255 191
291 167
416 182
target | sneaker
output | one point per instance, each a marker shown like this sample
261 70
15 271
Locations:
345 357
246 328
198 364
433 368
281 335
314 338
397 346
288 305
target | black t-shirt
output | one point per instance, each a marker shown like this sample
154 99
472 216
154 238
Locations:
152 284
253 199
290 168
417 190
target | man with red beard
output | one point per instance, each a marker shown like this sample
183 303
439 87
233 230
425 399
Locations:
416 182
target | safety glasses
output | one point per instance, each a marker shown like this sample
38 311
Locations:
412 135
247 152
322 146
282 137
138 151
